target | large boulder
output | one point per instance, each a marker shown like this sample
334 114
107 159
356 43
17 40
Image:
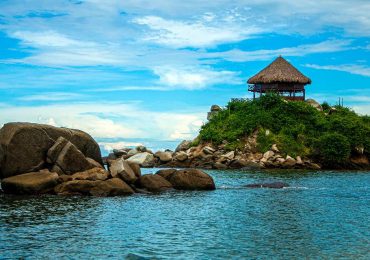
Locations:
111 187
154 183
143 159
71 160
121 169
95 174
24 146
183 146
181 156
191 179
164 156
30 183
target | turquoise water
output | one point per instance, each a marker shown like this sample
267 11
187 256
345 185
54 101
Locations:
322 215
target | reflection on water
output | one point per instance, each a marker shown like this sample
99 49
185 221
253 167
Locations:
324 215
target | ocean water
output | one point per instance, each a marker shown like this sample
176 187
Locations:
323 215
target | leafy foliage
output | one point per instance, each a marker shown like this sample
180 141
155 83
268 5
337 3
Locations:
296 127
334 148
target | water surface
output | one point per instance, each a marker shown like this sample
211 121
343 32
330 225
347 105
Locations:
322 215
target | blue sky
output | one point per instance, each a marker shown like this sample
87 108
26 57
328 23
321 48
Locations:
139 71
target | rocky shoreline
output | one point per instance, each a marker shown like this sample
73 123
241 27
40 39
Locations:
42 159
208 156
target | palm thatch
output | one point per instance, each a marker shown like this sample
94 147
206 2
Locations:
279 71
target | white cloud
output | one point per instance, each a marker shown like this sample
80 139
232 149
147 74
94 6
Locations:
51 96
111 120
198 33
109 146
194 78
350 68
300 50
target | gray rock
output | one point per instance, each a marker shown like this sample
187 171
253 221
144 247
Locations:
208 150
143 159
121 168
314 104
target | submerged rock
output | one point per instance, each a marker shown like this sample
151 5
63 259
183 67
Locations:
30 183
272 185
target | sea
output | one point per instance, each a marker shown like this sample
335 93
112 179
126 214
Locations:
321 215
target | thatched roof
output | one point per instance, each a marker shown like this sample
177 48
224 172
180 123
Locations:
279 71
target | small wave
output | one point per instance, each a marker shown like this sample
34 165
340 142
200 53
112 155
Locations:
296 188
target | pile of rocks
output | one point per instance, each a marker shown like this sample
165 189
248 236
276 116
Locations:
208 156
55 162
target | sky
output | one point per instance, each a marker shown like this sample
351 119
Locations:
147 71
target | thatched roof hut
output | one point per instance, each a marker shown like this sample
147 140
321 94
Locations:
281 77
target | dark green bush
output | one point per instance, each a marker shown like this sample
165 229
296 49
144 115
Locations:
333 148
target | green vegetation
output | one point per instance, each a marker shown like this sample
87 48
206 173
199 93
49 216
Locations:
296 127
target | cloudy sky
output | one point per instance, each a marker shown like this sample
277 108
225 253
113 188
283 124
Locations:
147 71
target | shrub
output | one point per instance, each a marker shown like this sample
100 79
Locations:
333 148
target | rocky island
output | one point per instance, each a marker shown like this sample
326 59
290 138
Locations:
269 132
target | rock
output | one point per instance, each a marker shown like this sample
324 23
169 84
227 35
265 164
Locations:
191 179
94 163
111 187
141 149
71 160
183 146
299 160
280 160
154 183
274 148
64 178
181 156
119 152
208 150
219 166
121 168
166 173
95 174
215 108
25 145
267 155
229 155
55 150
289 162
314 166
164 156
238 164
132 152
136 168
314 104
272 185
30 183
75 187
143 159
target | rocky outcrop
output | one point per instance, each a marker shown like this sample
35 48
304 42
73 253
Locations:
24 146
189 179
122 169
314 104
30 183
